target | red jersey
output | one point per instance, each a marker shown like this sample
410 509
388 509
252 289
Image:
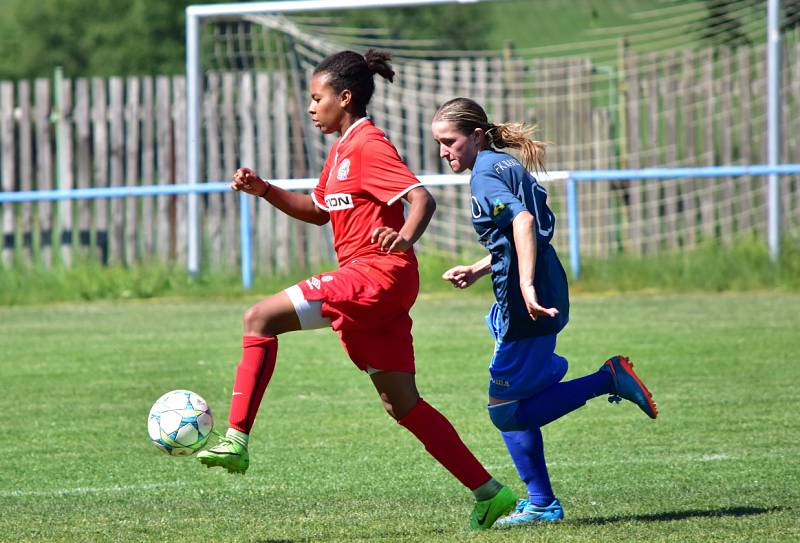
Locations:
360 187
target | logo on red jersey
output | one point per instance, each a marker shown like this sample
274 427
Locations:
337 202
344 170
316 282
313 283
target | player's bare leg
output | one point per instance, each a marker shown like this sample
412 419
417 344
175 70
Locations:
272 316
262 324
398 392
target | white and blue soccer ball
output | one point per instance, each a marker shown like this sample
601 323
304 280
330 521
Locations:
180 423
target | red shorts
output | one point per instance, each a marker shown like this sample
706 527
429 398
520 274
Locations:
367 302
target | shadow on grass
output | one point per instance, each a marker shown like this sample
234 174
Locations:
667 516
681 515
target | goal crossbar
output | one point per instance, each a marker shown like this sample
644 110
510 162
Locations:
298 6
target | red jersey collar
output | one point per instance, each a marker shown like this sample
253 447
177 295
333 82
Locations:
347 132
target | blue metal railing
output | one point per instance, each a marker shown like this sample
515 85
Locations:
164 190
573 217
200 188
572 179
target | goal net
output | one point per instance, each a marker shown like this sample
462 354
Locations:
255 70
668 95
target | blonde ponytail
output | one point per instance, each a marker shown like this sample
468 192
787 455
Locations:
467 115
520 136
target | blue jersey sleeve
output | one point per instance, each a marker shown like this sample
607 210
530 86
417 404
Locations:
496 198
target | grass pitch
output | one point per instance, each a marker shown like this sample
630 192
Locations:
720 463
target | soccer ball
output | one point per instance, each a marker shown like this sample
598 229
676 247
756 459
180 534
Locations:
180 423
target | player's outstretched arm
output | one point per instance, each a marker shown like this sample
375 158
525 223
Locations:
297 205
464 276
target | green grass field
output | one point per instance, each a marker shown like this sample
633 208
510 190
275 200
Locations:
720 464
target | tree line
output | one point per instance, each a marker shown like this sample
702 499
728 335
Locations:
147 37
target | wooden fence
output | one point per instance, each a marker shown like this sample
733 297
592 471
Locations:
676 108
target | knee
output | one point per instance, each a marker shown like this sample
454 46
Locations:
256 320
397 408
503 416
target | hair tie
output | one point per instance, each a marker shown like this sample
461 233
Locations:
490 129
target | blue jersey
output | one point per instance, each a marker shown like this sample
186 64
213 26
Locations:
501 189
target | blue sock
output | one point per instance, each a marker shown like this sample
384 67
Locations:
561 398
527 451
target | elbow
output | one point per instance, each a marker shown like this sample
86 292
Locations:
318 216
429 203
420 198
524 220
431 206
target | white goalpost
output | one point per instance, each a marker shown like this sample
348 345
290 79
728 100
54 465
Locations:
194 16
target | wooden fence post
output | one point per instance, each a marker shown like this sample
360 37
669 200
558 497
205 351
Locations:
147 244
82 234
8 172
130 254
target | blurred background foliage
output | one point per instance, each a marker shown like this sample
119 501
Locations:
146 37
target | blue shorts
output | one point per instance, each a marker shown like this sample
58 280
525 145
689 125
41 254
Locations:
521 368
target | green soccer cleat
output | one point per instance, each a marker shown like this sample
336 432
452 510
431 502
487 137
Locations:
486 512
226 454
627 385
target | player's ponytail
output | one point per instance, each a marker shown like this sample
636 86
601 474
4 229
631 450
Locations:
467 115
378 63
519 136
356 73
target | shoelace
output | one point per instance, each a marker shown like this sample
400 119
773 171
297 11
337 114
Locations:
613 398
221 439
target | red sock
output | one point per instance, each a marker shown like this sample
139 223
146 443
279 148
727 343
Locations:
442 442
252 376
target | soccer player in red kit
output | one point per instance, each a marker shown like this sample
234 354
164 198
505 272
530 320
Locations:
367 300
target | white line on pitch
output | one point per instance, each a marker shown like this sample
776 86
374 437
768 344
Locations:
85 490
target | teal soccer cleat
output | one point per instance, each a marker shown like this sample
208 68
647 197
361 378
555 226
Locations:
486 512
628 385
527 513
226 454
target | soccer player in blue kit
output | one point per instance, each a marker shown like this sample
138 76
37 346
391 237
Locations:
513 222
